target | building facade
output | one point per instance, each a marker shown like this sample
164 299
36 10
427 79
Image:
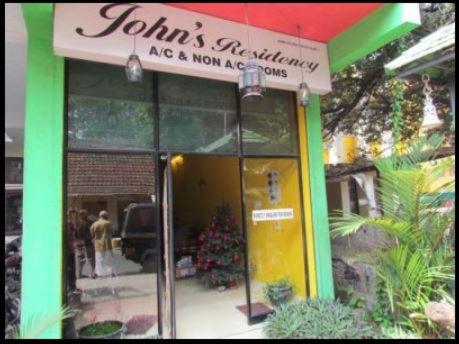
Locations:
174 147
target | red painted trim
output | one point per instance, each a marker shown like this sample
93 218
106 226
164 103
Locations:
319 21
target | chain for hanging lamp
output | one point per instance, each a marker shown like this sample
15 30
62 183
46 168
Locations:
303 91
133 64
430 119
252 80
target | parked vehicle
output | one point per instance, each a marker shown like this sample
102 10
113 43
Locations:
138 235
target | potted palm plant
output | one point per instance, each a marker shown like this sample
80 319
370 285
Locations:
278 292
109 329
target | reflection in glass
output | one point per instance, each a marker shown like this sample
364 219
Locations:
268 124
196 115
106 111
275 239
13 170
111 257
13 212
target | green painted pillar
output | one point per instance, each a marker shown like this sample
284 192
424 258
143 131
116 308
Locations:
322 245
42 274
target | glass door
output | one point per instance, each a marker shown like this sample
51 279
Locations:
273 217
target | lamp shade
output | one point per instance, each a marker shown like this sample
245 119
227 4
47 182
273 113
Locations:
134 68
431 120
303 93
252 80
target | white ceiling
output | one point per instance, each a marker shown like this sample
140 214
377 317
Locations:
15 71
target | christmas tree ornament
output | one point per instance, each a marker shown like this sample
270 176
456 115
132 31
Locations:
215 256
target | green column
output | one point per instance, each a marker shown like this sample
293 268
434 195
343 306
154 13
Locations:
42 263
322 246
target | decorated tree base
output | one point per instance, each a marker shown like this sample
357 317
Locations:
219 257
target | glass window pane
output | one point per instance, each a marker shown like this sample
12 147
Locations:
268 124
13 212
111 267
197 115
106 111
13 170
274 229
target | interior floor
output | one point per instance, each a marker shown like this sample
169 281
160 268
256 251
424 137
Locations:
207 313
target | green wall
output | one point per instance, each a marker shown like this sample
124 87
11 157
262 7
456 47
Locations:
322 245
43 172
386 24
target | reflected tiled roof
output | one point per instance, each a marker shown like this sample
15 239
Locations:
110 174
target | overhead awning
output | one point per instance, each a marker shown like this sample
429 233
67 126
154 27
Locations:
434 50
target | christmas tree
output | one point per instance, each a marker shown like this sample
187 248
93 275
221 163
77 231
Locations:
219 257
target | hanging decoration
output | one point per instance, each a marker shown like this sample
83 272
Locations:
133 65
431 119
252 80
304 90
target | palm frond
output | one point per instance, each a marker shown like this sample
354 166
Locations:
34 326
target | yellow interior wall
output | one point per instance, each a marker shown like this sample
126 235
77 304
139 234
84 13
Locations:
274 253
201 183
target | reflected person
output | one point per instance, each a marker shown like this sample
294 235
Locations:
101 231
86 246
70 240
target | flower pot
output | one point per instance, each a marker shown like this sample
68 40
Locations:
114 330
282 295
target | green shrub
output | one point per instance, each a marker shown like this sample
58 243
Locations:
316 319
416 264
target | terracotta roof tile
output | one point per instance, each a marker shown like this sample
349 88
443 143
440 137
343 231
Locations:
110 173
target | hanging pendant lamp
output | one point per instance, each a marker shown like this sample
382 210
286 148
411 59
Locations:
133 64
252 80
303 91
430 119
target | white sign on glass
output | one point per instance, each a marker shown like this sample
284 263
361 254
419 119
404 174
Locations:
272 214
178 41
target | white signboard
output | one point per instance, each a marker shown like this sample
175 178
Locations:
173 40
272 214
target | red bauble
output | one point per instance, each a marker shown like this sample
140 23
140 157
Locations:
236 257
212 276
218 248
219 263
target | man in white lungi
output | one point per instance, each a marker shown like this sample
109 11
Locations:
101 231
